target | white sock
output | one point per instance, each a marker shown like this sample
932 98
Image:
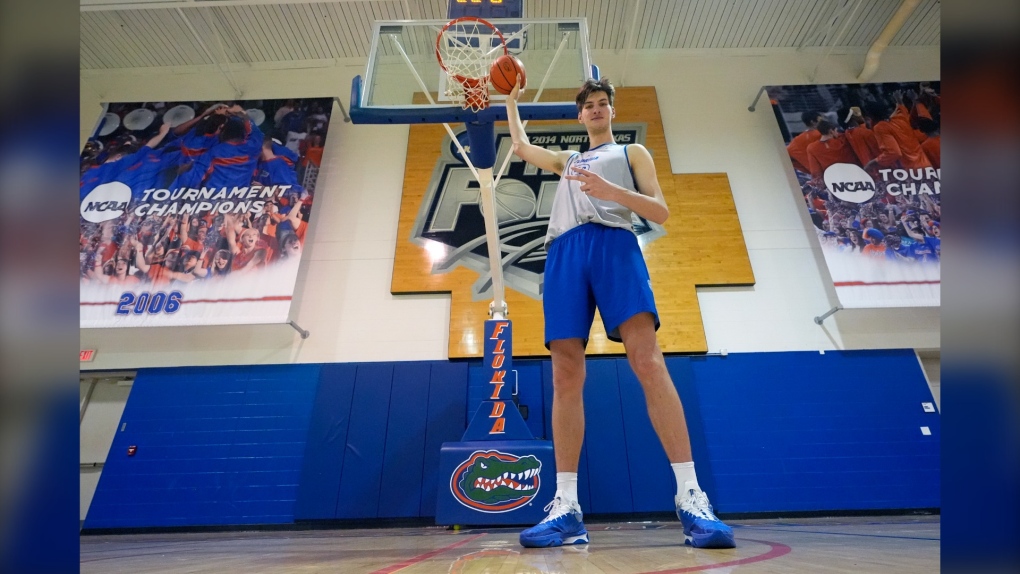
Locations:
686 479
566 487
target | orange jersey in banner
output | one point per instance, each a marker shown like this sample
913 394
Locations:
797 148
821 154
898 142
864 143
933 149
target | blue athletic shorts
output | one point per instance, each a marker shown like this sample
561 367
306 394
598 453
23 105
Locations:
594 265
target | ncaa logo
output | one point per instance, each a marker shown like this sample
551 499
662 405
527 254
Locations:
849 182
494 481
105 202
450 226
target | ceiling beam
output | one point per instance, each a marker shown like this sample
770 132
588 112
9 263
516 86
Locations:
109 5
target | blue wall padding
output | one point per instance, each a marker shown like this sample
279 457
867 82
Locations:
770 432
446 422
652 479
400 491
216 445
327 443
608 475
366 438
806 431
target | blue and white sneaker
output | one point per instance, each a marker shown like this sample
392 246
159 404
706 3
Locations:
562 526
701 528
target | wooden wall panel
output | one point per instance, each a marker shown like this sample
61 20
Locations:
703 245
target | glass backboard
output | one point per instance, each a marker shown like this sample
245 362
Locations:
402 66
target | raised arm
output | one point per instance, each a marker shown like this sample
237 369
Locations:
156 139
538 156
199 271
140 261
97 272
915 235
230 228
183 128
184 229
294 215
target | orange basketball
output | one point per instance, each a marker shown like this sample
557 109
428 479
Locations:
504 72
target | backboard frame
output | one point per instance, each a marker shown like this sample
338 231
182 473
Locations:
362 111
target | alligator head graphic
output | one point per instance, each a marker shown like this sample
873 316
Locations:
494 481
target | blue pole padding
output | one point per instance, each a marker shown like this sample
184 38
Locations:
482 138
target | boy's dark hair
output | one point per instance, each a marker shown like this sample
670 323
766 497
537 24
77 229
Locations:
928 126
591 86
233 130
211 123
810 117
880 110
825 126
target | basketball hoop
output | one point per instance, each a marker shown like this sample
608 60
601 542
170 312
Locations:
466 48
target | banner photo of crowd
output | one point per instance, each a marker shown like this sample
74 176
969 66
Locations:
867 159
196 213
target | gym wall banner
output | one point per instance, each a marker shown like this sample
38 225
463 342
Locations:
867 159
194 213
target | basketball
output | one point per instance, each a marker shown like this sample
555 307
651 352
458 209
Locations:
504 72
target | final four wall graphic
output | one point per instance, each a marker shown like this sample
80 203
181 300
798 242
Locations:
868 161
195 213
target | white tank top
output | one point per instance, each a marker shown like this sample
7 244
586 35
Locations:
573 207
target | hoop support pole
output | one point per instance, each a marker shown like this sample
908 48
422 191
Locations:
492 239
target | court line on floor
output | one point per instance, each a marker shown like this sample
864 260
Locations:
775 551
843 533
424 557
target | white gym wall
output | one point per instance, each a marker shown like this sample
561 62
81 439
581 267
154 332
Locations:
342 295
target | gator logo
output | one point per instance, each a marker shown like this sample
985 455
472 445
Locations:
493 481
451 228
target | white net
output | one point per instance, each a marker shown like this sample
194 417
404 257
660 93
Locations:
466 49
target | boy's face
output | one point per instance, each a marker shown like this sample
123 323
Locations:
596 113
249 239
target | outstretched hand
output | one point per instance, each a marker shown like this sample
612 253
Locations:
515 93
593 184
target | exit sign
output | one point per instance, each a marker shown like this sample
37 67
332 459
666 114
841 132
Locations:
86 355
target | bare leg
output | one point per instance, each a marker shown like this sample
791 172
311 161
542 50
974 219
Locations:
568 402
563 525
664 408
